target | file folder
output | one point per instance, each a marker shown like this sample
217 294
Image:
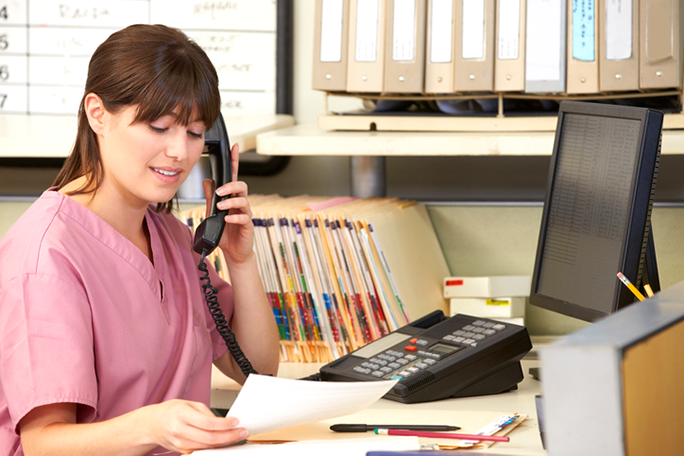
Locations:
440 50
366 63
583 36
619 45
405 46
331 41
545 52
509 63
474 43
660 48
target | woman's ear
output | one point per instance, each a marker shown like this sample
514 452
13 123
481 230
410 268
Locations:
95 111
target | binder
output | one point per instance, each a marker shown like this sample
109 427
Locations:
660 46
366 62
509 62
331 42
583 37
441 27
474 43
545 51
405 46
619 46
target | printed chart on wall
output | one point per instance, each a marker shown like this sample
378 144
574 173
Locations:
45 47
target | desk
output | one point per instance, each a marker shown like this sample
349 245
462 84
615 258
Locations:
524 439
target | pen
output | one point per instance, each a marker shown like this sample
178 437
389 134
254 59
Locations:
631 287
407 427
443 435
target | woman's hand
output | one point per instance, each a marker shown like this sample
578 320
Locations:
185 426
238 235
177 425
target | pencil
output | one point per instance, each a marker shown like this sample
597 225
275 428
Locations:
631 287
442 435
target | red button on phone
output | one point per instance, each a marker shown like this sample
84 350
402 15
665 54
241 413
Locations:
413 341
410 348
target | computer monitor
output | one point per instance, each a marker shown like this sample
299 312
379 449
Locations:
597 211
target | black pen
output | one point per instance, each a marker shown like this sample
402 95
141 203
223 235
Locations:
408 427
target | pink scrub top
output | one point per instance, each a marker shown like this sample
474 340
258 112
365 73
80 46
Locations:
85 317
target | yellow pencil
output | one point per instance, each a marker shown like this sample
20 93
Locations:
631 287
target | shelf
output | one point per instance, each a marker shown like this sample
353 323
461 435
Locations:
446 123
52 136
308 139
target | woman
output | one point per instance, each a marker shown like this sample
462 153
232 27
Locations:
106 342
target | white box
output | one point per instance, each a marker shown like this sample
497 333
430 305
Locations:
489 307
487 287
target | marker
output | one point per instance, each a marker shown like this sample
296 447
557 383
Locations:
443 435
406 427
631 287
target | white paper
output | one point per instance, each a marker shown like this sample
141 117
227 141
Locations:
473 29
404 31
350 447
269 403
509 29
367 15
331 30
441 29
618 29
543 55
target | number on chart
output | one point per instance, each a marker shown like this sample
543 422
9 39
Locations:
4 44
3 12
3 98
4 72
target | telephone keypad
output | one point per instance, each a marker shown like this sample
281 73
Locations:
388 364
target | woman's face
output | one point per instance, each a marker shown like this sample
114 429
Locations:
148 161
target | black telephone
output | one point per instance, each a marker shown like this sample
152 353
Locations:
210 230
435 357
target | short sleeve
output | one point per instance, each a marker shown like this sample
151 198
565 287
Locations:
46 352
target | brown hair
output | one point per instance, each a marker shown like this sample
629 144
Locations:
155 67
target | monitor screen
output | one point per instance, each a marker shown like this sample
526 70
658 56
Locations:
596 217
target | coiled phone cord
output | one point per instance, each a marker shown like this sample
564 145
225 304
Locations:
228 335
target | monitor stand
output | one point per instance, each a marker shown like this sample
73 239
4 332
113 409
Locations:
650 275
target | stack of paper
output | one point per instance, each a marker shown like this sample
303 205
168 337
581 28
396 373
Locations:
342 272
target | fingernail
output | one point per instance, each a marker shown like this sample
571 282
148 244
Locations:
220 191
244 434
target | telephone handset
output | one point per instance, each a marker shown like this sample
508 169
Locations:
209 232
216 144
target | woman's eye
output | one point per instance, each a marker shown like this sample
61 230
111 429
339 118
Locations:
195 135
157 129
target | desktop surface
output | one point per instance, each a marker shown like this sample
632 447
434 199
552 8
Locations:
524 439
